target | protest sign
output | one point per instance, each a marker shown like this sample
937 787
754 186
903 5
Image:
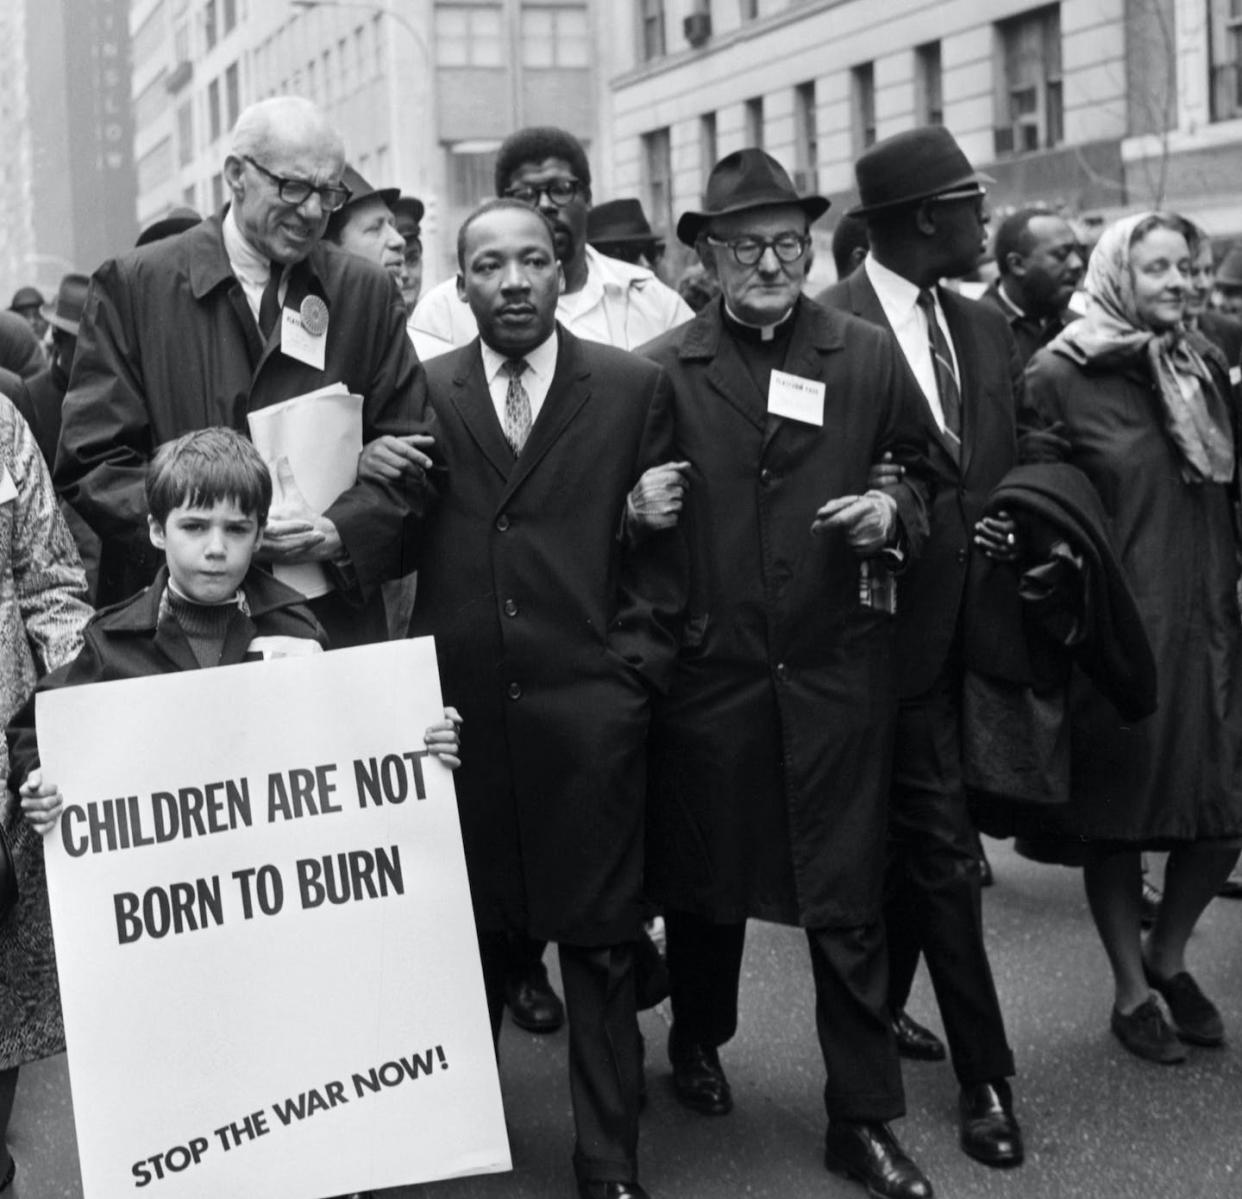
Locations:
268 963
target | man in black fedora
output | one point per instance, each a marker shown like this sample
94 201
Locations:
924 208
770 752
620 229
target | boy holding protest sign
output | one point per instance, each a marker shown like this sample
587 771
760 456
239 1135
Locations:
208 495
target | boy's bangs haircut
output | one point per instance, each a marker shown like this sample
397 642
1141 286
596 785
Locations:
203 468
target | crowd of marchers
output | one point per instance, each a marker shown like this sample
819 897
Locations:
750 604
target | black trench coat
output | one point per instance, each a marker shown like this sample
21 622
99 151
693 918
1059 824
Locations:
771 753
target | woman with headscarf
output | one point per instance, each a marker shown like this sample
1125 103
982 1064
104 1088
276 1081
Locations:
1146 411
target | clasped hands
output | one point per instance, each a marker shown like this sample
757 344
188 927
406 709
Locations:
295 532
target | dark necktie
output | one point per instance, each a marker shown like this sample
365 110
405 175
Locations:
517 405
269 305
942 360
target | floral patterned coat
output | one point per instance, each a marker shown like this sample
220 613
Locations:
43 611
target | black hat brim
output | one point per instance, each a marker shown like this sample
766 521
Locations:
976 177
691 224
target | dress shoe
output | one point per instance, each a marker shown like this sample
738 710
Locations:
532 1003
989 1132
916 1042
1195 1016
869 1153
699 1078
594 1188
1146 1033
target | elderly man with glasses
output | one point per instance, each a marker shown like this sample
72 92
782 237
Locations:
618 303
770 753
240 312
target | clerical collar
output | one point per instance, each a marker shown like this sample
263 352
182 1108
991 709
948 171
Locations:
760 333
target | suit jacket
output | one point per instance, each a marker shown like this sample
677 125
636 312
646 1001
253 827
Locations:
551 629
167 345
931 593
771 752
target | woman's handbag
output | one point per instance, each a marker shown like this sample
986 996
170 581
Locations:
8 876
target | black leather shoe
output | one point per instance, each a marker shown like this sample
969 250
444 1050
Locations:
916 1042
532 1003
699 1079
869 1153
989 1131
593 1188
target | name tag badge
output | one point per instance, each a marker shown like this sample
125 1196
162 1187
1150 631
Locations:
8 489
796 398
1235 375
298 341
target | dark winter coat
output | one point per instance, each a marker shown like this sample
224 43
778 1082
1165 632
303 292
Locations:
168 345
551 630
771 753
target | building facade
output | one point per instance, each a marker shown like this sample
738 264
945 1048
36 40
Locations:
1095 106
423 91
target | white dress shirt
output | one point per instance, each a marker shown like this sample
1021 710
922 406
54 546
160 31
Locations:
536 378
899 299
250 267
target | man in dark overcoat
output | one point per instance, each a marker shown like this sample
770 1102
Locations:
770 754
923 204
240 312
551 631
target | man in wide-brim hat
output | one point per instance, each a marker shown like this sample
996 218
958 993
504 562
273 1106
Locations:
620 229
924 207
769 754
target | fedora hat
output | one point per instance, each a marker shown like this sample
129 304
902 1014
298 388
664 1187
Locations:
409 207
1230 270
26 297
359 189
913 166
66 311
619 223
178 220
741 181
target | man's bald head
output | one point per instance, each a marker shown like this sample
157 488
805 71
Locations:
282 138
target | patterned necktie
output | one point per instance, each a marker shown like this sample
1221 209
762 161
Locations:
269 304
517 405
942 360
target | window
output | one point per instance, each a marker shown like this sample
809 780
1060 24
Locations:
928 97
185 134
217 192
312 80
230 15
651 28
188 198
471 176
469 36
209 23
378 42
750 9
658 180
752 122
1028 100
360 53
555 37
232 97
149 37
806 138
327 76
181 43
1225 50
862 105
342 57
213 108
155 166
708 153
151 102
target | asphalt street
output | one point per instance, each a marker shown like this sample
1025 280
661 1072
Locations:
1099 1123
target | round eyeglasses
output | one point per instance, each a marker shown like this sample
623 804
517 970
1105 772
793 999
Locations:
559 191
746 251
333 196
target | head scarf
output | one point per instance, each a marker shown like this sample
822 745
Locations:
1113 333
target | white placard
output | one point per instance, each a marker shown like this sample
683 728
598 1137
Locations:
267 956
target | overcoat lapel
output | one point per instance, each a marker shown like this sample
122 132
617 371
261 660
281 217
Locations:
815 331
473 402
726 372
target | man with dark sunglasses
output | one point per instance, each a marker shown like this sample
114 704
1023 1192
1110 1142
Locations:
604 299
240 312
